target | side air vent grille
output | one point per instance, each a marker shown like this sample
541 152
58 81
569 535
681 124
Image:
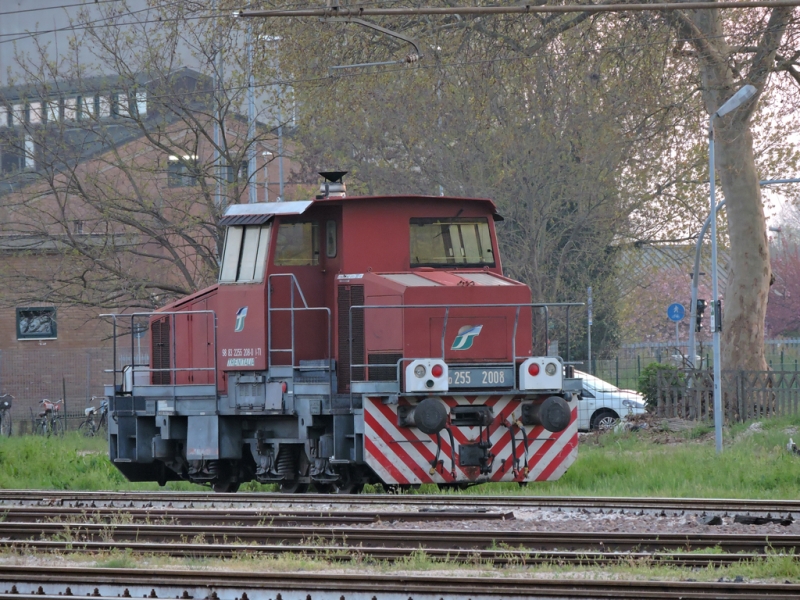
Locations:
159 331
383 373
350 295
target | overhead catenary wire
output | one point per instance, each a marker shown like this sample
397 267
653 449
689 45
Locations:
58 7
402 70
346 11
99 24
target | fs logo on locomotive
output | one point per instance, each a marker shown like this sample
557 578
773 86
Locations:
466 335
240 316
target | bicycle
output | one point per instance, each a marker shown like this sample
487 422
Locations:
6 400
48 421
89 427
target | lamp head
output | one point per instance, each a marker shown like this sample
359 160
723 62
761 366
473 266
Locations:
743 95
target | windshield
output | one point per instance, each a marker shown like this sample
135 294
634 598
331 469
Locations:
451 241
596 384
245 254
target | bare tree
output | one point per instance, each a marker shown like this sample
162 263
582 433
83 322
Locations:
124 165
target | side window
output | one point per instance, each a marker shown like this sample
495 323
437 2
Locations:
444 242
330 239
297 244
245 255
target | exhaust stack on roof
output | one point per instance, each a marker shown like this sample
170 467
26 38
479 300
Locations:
333 187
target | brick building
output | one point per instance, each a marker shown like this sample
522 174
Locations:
109 194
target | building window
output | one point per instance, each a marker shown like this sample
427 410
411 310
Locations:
182 172
70 109
36 323
230 175
77 227
122 106
18 115
136 106
30 153
35 113
3 116
53 110
104 106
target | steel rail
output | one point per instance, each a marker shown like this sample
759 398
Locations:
53 583
405 538
231 516
451 501
339 554
357 11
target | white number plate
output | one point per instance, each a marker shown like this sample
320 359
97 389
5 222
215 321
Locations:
476 377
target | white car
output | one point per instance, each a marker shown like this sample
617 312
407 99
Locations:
601 404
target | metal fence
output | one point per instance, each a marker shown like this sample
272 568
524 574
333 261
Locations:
746 395
31 375
625 369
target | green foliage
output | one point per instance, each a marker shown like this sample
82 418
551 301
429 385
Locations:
648 380
755 464
72 462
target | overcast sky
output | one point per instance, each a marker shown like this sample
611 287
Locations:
48 21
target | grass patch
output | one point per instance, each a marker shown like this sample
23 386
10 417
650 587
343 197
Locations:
754 464
777 568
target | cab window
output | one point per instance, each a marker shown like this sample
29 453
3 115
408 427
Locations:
451 242
245 254
297 244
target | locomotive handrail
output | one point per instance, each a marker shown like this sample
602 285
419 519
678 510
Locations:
446 307
291 308
173 358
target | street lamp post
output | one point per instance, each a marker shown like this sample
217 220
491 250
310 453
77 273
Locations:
265 155
734 102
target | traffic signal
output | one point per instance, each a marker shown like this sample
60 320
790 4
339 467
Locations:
701 307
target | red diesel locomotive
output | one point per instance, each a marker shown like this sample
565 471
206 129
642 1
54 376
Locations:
349 340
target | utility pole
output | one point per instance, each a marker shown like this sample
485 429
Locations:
218 67
589 329
252 185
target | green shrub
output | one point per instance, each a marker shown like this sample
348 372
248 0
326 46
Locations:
648 380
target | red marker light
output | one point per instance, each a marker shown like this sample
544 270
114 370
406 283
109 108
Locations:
437 370
533 369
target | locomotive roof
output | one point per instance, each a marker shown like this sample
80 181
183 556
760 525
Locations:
261 212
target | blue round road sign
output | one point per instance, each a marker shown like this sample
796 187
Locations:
676 312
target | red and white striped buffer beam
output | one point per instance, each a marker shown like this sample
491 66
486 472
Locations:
502 449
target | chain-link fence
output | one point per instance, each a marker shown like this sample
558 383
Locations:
689 394
625 369
31 375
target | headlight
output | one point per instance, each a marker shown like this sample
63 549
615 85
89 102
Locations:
419 371
633 404
550 369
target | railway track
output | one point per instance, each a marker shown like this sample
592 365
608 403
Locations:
376 537
18 583
105 522
198 500
237 516
350 554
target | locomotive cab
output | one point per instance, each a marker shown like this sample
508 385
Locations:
348 340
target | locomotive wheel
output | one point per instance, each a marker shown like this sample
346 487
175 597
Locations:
225 487
293 487
293 462
349 487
